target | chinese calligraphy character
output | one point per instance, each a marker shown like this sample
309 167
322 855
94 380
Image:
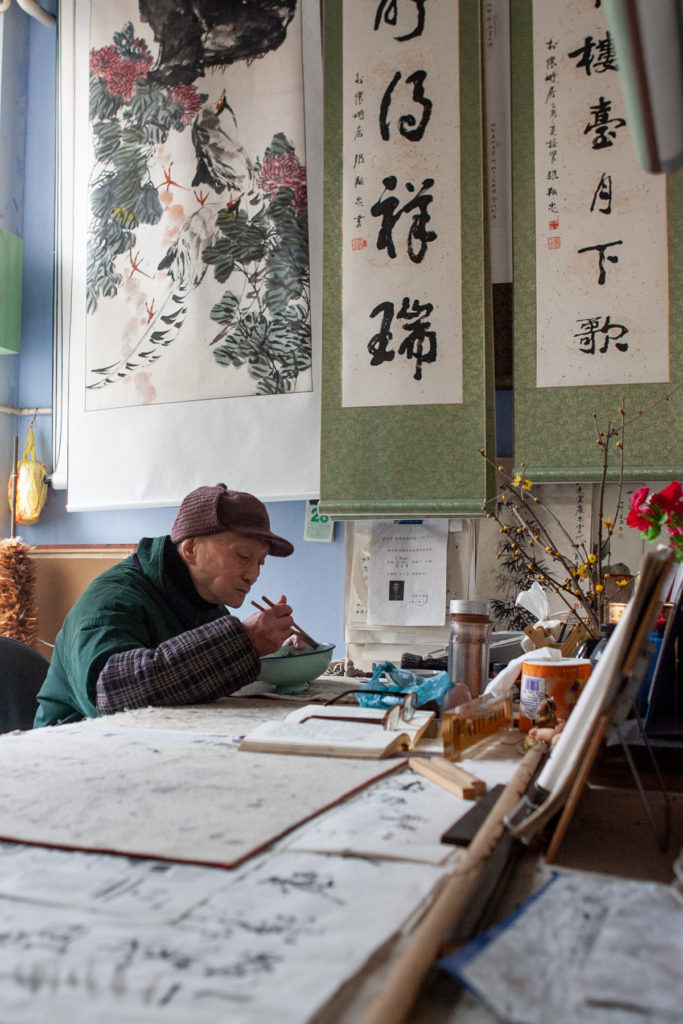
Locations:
418 334
603 194
388 10
419 342
604 135
378 346
407 124
388 209
601 259
591 326
580 514
596 56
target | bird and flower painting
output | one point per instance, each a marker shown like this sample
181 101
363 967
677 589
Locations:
198 281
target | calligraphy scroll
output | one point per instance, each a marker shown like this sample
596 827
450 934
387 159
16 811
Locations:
396 209
597 253
407 383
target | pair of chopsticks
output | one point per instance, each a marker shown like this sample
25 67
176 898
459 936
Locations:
302 634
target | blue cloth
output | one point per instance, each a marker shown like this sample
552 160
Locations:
403 681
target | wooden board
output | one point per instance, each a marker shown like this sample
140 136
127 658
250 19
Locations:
62 574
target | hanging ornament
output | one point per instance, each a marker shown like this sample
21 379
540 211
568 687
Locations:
31 486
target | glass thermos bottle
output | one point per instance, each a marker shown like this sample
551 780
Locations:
468 647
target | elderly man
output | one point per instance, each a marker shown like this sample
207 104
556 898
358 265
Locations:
155 630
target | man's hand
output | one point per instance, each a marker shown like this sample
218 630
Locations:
269 629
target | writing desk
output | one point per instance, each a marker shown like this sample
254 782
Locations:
87 935
301 928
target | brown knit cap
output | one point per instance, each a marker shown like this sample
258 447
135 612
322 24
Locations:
215 509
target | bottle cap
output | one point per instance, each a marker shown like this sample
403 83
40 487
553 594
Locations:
470 608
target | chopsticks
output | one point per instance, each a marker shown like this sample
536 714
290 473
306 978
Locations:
297 630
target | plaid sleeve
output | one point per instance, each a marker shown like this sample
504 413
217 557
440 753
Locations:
194 667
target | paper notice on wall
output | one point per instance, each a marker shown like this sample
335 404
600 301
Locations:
407 572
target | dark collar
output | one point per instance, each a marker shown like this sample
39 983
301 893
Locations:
180 590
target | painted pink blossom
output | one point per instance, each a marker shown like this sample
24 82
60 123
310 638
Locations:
285 171
188 97
120 73
101 60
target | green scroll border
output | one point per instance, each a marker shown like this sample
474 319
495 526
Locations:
554 431
395 461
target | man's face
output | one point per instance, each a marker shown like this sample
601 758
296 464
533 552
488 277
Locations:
223 566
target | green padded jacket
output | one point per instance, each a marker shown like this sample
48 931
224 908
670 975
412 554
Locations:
123 608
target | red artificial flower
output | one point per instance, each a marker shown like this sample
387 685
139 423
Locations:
662 509
670 499
638 516
637 520
639 497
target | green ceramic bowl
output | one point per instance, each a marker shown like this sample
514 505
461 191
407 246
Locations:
290 670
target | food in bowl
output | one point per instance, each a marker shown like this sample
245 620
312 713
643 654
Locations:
290 669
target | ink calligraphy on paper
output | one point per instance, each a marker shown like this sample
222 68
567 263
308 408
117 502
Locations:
198 273
402 317
601 252
275 941
400 817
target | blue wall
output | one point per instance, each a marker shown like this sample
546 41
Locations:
14 41
313 577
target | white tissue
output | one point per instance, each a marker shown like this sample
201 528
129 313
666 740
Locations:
534 601
501 683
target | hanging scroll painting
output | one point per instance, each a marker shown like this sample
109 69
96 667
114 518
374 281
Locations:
597 252
407 385
197 265
187 324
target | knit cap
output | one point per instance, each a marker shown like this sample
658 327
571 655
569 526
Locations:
209 510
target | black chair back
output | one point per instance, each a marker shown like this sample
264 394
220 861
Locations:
22 671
